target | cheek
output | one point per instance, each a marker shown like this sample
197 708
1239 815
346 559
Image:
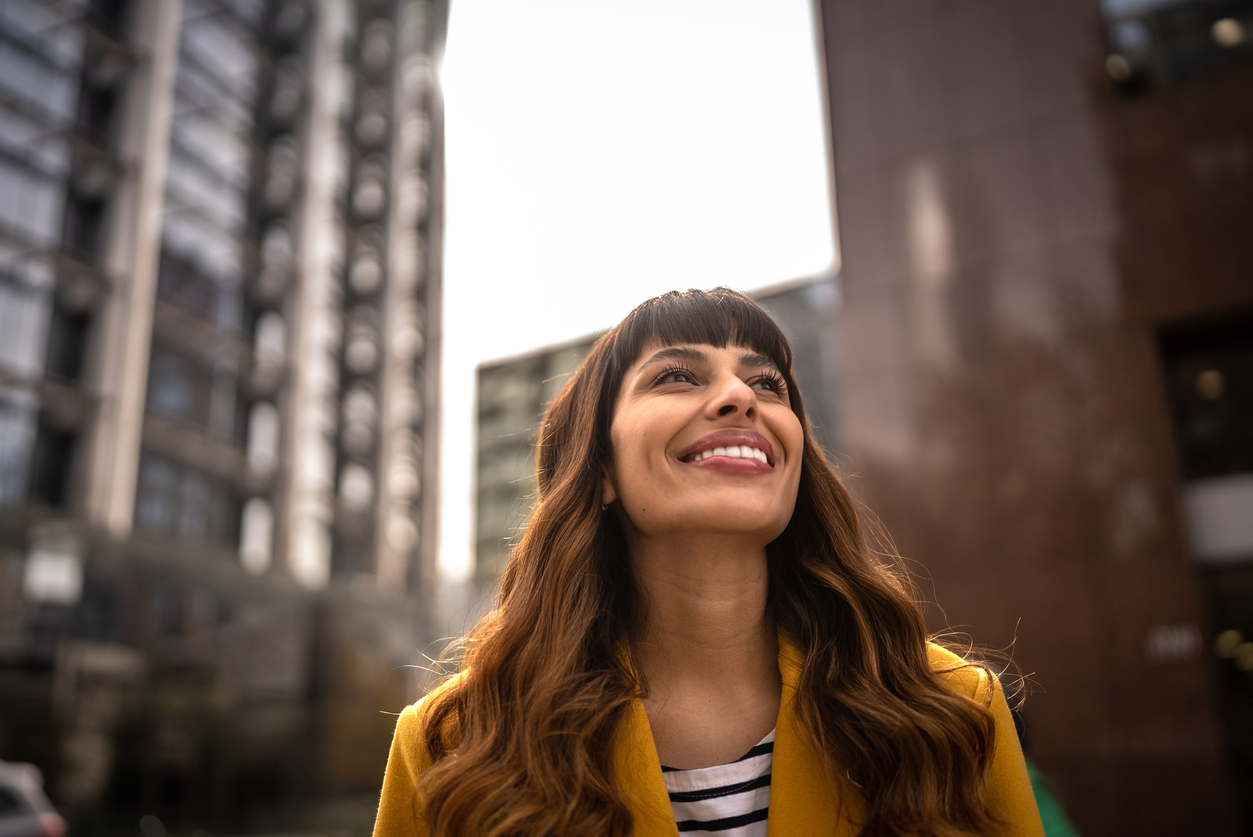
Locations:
625 446
792 435
793 439
629 454
799 441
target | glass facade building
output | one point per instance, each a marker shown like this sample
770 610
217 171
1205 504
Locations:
220 231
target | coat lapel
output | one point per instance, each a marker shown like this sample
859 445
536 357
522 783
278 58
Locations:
803 801
639 776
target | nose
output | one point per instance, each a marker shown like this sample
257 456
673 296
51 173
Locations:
730 397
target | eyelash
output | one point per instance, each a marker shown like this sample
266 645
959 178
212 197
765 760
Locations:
673 370
774 378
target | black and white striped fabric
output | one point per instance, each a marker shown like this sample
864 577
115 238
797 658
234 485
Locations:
732 800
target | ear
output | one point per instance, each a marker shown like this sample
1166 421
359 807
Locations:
607 492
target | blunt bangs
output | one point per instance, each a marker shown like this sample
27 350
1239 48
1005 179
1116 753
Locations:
720 317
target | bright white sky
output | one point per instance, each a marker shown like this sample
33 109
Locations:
599 154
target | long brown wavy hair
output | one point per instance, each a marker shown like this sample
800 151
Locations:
522 740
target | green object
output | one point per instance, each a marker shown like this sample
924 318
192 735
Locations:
1052 814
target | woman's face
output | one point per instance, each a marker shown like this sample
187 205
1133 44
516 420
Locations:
704 441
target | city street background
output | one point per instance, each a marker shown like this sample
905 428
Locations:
286 286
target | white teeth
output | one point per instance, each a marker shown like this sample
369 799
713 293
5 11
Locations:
734 452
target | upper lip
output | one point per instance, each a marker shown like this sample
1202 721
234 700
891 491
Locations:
727 438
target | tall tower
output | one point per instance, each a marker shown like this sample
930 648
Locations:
220 229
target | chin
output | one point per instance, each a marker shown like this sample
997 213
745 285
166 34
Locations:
734 519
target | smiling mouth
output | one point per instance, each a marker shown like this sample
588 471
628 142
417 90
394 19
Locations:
738 449
733 451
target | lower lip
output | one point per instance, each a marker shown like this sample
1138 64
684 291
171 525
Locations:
733 465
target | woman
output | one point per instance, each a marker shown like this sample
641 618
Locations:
693 590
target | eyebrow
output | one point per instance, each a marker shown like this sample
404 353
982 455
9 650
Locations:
757 359
675 353
697 356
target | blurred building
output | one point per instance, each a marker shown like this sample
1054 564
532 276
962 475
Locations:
510 398
513 394
1046 366
220 231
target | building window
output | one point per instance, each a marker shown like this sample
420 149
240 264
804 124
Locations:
29 75
32 204
23 319
52 466
68 335
179 386
180 283
1161 42
182 502
155 500
84 227
97 113
18 422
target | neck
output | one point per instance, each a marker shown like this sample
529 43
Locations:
708 651
706 619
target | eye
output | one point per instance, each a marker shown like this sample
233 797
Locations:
770 382
675 375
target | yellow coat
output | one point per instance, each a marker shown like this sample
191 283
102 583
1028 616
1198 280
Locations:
801 801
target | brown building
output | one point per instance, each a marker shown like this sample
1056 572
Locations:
1046 344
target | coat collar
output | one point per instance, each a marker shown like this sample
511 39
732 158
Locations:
802 800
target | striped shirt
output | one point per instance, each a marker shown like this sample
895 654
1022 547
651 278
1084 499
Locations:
732 800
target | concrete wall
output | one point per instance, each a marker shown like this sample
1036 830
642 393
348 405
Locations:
1014 231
